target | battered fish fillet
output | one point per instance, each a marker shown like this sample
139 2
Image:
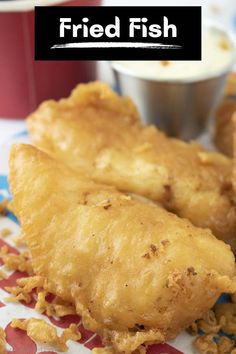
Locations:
136 273
98 133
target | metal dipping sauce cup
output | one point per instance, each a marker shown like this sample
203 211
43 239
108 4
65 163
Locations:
181 108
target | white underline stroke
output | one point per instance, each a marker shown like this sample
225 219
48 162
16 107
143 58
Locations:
117 45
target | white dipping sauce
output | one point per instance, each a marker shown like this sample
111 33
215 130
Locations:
217 56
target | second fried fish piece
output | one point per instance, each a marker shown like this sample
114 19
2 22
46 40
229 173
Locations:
136 273
98 133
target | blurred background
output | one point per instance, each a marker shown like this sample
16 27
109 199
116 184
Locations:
25 83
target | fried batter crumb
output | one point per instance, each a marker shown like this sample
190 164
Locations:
3 206
154 249
211 159
105 204
102 351
41 304
141 350
5 232
209 324
71 333
173 279
193 329
221 318
17 295
146 255
20 240
225 313
2 275
14 261
30 283
205 344
191 270
40 331
165 242
22 292
153 252
2 341
57 308
4 250
225 345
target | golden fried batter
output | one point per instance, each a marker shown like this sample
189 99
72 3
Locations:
2 341
224 126
234 149
98 133
136 273
42 332
230 86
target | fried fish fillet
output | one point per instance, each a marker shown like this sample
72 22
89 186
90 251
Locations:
98 133
136 273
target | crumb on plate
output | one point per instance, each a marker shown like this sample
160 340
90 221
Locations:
40 331
220 318
225 345
20 240
23 292
3 206
57 308
102 351
205 344
226 312
209 324
5 232
2 341
2 275
14 261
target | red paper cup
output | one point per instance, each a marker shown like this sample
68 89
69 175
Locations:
24 82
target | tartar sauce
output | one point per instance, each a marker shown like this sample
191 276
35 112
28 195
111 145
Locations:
217 55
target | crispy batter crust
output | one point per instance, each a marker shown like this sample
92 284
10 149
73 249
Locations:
224 126
93 256
99 134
